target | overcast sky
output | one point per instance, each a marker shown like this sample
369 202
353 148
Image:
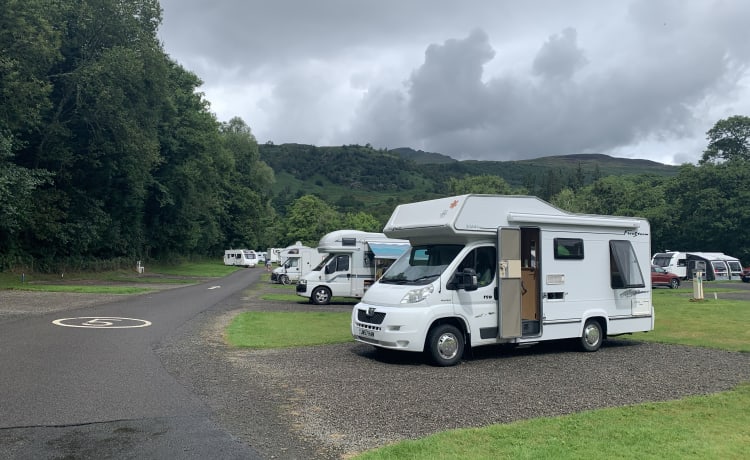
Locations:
483 79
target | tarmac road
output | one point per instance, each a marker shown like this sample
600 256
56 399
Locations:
86 383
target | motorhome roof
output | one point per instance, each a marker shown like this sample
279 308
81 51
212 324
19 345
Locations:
350 239
469 215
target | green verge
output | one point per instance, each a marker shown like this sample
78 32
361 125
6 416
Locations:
81 282
699 427
288 329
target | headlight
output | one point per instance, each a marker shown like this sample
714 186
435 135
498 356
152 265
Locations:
418 295
302 282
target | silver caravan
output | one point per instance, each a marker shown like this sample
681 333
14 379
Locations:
241 257
354 260
490 269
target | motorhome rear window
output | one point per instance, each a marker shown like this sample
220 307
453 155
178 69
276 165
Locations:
568 248
625 271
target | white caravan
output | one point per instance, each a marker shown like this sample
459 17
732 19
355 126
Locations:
672 261
354 261
298 261
241 257
489 269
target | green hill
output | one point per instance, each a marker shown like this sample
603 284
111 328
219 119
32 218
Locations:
354 177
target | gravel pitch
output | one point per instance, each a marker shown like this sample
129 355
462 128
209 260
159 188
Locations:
329 402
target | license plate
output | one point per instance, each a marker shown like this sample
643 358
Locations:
366 333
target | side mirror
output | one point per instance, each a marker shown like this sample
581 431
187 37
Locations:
466 280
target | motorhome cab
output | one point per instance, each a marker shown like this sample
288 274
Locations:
354 261
298 261
488 269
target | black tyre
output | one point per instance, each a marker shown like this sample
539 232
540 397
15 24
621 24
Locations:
283 279
593 335
321 296
674 283
445 345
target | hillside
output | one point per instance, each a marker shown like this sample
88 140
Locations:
360 177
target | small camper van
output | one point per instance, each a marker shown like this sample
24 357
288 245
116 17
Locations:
298 261
241 257
354 260
490 269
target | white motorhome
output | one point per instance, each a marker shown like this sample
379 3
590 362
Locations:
241 257
354 261
672 261
299 260
489 269
275 255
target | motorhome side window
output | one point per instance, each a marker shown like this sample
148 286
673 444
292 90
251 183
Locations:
625 271
338 264
483 261
568 248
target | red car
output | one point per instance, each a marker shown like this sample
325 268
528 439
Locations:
745 276
661 277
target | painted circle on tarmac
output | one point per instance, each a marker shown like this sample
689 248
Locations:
102 322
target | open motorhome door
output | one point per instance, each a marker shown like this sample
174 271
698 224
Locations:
509 281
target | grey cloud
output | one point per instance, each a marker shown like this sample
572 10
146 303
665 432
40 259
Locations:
560 56
446 92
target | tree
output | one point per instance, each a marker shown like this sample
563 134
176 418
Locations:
361 221
309 218
479 184
729 140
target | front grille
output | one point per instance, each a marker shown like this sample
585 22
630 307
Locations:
376 318
301 288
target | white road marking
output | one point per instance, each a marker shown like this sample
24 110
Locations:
101 322
214 287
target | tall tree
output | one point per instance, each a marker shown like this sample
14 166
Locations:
728 140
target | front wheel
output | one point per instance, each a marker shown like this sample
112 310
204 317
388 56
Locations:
283 279
321 296
674 284
445 344
593 335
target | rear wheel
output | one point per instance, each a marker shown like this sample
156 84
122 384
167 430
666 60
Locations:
445 344
674 284
321 296
593 335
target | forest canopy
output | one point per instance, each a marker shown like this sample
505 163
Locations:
109 153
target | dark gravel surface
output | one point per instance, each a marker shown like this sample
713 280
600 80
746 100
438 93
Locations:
332 401
329 402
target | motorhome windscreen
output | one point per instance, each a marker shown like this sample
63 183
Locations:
422 264
324 262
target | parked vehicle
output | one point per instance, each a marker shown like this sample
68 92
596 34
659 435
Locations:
299 260
745 275
672 261
242 257
490 269
354 261
661 277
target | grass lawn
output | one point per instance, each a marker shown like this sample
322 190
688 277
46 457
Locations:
107 282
